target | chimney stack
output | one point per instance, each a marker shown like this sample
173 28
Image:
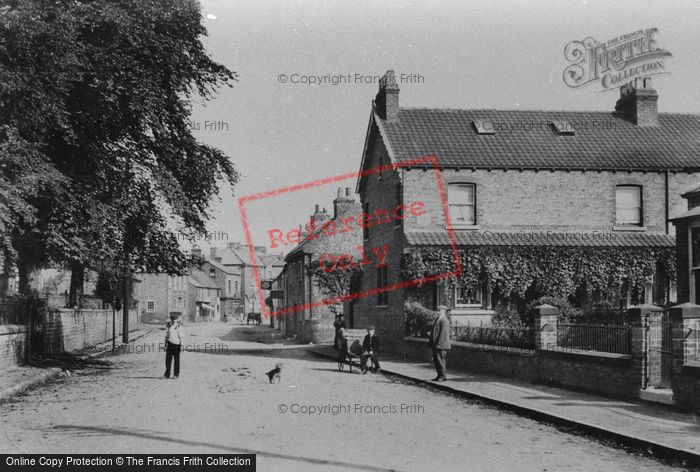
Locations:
319 216
387 99
212 253
197 252
638 101
343 201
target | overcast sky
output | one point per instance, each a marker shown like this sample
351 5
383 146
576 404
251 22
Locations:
471 54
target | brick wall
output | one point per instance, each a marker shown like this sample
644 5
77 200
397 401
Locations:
558 201
13 339
380 191
68 330
607 374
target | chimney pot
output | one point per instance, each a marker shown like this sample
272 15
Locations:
387 100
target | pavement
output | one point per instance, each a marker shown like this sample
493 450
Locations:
656 428
44 369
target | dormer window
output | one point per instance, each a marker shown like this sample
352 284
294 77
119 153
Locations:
483 127
563 128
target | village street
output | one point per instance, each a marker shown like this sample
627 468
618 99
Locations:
223 403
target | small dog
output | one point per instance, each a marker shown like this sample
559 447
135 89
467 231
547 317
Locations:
276 373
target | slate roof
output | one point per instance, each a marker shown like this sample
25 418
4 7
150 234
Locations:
200 279
451 136
226 269
534 238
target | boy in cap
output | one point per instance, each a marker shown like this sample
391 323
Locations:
370 349
174 337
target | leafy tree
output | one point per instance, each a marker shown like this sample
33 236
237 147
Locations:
115 126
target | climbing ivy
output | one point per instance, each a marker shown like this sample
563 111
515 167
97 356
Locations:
553 271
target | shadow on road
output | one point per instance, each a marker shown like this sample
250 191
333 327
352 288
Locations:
92 430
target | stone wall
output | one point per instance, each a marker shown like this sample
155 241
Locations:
68 330
13 339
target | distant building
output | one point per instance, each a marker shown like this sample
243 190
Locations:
203 303
235 258
161 294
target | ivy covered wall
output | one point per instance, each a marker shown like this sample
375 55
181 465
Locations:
551 271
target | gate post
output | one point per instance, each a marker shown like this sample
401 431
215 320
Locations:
686 351
642 361
545 326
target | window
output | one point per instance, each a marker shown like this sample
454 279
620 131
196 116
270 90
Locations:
461 199
468 296
365 228
212 272
235 287
695 246
382 276
399 202
628 205
150 306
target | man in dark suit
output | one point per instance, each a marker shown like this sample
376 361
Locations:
370 349
440 342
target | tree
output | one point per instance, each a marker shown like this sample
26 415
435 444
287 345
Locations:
118 129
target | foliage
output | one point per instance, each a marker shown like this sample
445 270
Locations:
418 319
553 271
336 280
568 313
96 97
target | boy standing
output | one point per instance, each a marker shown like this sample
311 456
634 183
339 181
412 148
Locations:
174 337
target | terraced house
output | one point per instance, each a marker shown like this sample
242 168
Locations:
561 203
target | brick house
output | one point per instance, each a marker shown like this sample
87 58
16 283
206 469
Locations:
161 294
299 283
540 180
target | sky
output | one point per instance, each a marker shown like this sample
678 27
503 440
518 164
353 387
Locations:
470 54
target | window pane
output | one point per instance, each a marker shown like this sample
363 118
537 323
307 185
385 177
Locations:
468 296
462 214
460 194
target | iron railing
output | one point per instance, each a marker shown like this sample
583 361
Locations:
521 338
615 339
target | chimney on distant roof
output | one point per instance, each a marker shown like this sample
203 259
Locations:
638 102
234 245
387 100
197 251
319 216
212 253
343 201
217 259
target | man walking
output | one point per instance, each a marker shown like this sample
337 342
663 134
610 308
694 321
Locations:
174 337
440 342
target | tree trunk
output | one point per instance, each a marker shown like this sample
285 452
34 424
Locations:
23 270
77 280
